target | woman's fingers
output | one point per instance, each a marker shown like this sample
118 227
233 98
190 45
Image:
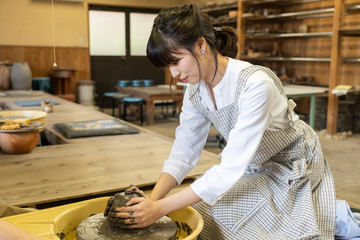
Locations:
134 201
134 188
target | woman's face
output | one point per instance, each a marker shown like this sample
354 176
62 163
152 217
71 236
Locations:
186 69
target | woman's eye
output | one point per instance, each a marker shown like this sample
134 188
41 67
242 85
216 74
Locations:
174 62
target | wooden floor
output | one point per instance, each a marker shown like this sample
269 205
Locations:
343 156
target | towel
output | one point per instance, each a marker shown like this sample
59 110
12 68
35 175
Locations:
30 103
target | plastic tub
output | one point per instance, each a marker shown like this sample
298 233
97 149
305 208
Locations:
61 222
22 115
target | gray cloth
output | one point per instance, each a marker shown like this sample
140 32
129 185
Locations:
287 191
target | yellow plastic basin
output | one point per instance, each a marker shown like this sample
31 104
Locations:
61 222
22 115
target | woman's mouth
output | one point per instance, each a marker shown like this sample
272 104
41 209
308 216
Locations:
184 79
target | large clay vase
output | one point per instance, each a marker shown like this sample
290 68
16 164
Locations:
21 76
4 77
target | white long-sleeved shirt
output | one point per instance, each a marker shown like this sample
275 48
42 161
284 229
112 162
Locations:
261 107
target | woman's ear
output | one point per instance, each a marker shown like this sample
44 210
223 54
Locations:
201 45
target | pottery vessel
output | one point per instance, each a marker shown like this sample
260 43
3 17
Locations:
20 142
21 76
4 77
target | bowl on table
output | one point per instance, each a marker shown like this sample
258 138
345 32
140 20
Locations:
21 141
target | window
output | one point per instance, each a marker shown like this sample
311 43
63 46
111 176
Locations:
107 33
140 29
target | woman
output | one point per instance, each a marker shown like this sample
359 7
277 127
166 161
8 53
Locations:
273 181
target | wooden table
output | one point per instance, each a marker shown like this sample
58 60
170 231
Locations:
151 94
83 167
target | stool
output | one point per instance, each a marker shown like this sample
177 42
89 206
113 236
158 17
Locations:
124 83
41 83
114 96
137 83
129 100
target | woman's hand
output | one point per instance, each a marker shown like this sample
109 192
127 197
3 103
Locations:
134 188
140 212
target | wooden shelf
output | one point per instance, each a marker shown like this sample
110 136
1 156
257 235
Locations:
329 15
302 14
350 32
219 7
279 3
288 35
290 15
224 21
351 60
287 59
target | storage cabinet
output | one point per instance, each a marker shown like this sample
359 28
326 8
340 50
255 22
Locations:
297 40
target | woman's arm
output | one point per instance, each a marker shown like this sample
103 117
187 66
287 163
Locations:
145 211
163 186
9 231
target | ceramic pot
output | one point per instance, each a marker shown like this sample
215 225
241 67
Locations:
21 76
20 142
4 77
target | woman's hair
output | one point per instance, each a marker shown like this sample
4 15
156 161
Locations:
180 27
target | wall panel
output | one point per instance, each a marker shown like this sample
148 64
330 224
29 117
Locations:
40 60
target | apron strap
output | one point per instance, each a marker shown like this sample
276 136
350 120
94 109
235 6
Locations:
247 72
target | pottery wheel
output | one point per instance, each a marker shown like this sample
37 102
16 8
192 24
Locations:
93 228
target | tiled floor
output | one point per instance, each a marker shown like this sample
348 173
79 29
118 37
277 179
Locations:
342 155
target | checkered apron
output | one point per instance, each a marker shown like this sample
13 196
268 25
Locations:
287 191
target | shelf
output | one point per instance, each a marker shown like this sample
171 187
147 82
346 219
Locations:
288 59
323 12
288 35
352 60
297 59
279 3
353 7
289 15
350 32
224 21
219 7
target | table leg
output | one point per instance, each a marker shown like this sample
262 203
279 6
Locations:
150 112
59 86
312 111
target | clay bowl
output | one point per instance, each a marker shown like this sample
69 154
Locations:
22 140
19 142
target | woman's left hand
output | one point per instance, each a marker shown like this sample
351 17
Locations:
140 212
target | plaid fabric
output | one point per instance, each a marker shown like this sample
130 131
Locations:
287 191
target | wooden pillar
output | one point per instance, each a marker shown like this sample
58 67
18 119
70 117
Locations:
335 66
240 30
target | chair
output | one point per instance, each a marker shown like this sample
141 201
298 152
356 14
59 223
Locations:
115 97
129 100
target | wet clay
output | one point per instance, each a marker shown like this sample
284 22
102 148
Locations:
93 228
105 226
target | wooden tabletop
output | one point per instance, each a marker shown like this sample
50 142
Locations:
155 92
83 167
151 94
292 90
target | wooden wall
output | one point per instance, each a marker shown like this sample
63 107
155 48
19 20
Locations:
40 60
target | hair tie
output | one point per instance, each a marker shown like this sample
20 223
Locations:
218 29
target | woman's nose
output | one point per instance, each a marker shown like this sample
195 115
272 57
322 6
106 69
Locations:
174 71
